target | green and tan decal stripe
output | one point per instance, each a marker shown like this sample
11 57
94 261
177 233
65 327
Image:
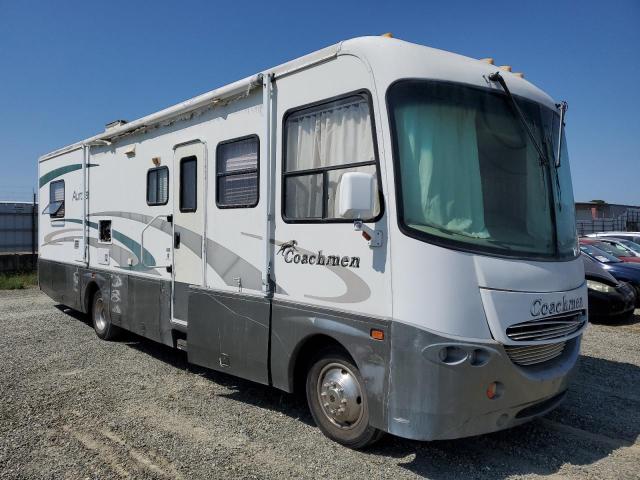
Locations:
47 177
130 243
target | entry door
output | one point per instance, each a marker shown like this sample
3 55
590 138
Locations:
188 221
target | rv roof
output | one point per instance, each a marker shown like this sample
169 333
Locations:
375 50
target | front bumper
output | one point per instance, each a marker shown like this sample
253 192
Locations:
431 398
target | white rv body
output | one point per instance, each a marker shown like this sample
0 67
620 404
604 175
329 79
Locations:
253 292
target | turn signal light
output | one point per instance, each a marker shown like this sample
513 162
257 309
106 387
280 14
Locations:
377 334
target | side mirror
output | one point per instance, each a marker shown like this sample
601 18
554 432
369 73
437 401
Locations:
357 195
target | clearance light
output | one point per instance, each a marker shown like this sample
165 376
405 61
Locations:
487 60
505 68
387 35
518 74
377 334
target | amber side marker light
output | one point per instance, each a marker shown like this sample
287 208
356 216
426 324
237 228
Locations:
377 334
494 390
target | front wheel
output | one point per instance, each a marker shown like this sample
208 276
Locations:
338 401
101 319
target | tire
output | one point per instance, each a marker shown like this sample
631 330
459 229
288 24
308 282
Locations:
101 319
337 399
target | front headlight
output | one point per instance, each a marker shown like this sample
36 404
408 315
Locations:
600 287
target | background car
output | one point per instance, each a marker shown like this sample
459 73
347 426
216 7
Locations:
621 271
633 236
611 248
608 298
629 244
620 245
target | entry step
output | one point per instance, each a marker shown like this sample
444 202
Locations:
181 344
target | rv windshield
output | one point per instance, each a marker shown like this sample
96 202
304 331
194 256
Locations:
470 177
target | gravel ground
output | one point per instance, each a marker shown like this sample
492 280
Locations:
73 406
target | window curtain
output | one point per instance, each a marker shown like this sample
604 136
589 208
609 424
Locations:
56 193
537 210
56 199
333 136
239 162
240 155
441 183
163 185
338 134
152 187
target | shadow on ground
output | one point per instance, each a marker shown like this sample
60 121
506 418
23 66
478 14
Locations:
619 320
586 428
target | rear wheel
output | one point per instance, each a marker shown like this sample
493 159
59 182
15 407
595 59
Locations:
101 318
337 399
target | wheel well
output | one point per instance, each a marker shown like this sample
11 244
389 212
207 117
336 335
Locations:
306 351
90 291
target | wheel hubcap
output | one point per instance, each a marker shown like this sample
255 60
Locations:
99 315
340 395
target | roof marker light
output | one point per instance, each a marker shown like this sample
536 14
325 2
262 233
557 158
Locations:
519 74
488 60
505 68
387 35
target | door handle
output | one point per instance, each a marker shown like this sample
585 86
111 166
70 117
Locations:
176 240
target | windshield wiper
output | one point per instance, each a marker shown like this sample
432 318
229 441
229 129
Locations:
544 159
496 77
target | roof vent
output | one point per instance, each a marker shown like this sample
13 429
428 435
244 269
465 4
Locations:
114 124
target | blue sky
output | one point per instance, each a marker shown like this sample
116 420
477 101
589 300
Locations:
69 67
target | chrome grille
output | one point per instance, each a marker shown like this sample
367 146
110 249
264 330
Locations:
532 354
546 329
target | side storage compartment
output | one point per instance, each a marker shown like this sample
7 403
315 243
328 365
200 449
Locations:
148 303
230 333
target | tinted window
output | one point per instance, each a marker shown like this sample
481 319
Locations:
188 184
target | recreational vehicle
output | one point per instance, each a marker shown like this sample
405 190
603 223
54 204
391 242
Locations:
386 227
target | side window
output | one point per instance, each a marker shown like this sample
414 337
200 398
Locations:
55 209
321 144
189 184
158 186
237 173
